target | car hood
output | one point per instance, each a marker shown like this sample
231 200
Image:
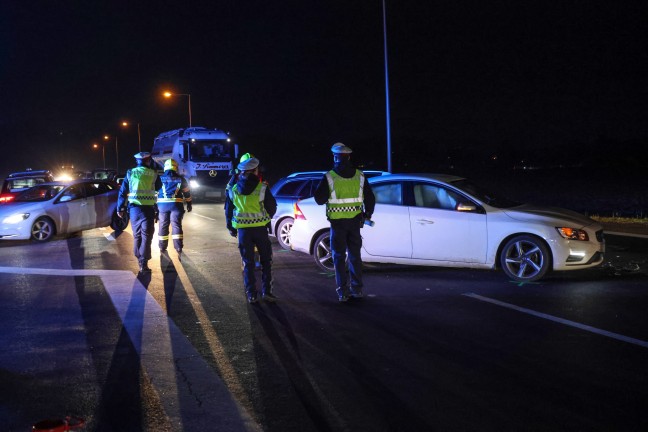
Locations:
533 213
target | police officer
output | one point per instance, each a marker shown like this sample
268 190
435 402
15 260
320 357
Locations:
249 207
349 201
170 200
138 195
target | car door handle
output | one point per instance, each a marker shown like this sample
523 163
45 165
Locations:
425 221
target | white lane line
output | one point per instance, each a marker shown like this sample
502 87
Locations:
561 320
190 391
204 217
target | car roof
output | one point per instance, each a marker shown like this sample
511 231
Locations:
321 173
445 178
76 181
37 173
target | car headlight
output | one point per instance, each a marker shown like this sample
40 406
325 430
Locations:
573 233
194 183
15 218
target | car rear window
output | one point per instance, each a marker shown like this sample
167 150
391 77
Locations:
22 183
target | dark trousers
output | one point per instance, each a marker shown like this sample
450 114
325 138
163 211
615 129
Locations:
248 238
142 219
345 237
171 215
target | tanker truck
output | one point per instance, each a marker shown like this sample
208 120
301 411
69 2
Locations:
204 157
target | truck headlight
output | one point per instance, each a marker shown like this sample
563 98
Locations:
194 183
15 218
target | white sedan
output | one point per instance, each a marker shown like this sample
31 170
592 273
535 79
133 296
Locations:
444 220
43 211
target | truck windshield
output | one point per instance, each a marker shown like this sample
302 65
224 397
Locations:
210 151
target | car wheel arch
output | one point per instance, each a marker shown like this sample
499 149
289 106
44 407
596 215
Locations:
498 264
278 228
49 220
315 237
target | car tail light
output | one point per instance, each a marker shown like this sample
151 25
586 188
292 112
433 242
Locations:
6 198
298 213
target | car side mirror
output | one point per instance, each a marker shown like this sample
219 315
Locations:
466 207
65 198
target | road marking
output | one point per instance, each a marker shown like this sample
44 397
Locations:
204 217
561 320
190 391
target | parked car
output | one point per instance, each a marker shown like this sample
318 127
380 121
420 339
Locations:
288 191
41 212
19 181
443 220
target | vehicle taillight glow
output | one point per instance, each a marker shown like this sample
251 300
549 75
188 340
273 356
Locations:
298 213
6 198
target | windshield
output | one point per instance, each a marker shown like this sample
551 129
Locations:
39 193
488 197
210 151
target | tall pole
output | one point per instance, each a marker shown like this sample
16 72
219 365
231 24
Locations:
103 154
168 94
389 163
139 138
189 109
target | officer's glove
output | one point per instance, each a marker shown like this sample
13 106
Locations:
233 232
188 207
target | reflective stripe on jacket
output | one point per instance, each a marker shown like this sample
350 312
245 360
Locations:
248 209
174 189
346 197
142 186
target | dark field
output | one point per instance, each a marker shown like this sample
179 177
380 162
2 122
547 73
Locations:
609 193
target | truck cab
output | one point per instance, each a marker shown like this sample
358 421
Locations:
205 158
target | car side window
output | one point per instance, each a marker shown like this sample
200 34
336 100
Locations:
388 193
434 196
73 192
93 189
308 190
291 188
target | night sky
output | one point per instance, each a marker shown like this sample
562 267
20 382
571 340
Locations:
289 78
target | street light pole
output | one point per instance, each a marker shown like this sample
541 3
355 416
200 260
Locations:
389 163
107 137
169 94
139 135
103 153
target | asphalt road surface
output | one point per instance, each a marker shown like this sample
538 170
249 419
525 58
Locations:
428 348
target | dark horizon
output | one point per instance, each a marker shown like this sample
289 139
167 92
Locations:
288 80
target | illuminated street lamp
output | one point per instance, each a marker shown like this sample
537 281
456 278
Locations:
106 138
139 136
103 152
169 94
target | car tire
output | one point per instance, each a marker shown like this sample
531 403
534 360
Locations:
43 230
119 224
282 233
322 252
525 258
